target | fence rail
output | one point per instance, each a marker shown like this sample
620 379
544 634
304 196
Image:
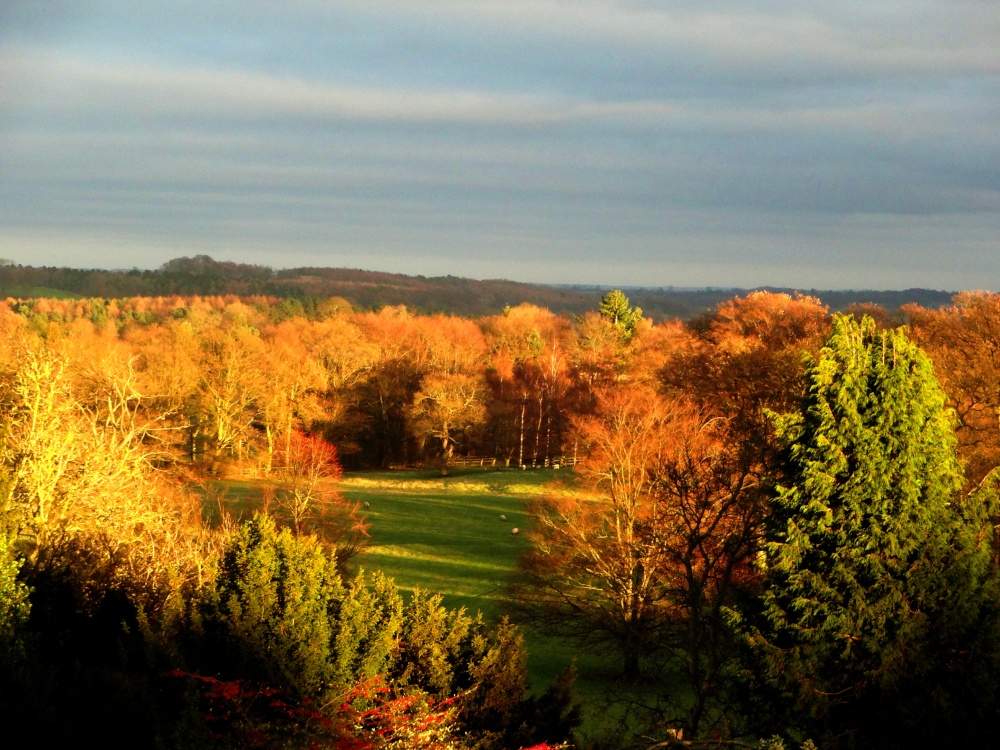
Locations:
493 462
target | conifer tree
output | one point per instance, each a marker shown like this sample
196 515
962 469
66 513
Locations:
274 594
877 578
14 605
624 319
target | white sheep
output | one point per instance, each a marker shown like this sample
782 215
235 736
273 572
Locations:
503 518
366 505
514 531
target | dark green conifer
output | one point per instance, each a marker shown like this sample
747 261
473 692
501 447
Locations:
877 578
274 595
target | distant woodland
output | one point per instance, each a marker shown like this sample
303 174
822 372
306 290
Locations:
372 290
783 529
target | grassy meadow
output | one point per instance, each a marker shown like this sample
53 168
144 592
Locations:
445 534
36 292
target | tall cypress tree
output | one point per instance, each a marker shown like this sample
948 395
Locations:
878 578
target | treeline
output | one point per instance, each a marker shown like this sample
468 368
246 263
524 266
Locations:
789 532
228 380
127 621
224 382
777 545
372 290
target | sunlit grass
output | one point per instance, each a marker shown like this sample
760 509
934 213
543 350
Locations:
36 292
445 535
442 534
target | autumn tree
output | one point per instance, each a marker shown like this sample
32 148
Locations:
878 578
595 573
81 489
745 360
167 360
445 407
963 340
229 390
709 505
348 357
650 560
308 498
530 351
292 380
388 388
450 402
747 354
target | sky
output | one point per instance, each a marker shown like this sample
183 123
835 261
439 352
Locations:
843 144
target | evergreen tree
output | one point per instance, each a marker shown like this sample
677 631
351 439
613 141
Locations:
274 595
624 319
14 604
877 581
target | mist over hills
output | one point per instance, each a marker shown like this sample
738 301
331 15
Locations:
374 289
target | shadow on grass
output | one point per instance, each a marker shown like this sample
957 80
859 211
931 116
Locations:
445 535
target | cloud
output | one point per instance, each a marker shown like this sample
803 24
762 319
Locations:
854 36
745 137
73 88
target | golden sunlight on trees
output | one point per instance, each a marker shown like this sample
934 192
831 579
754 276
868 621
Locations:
306 495
444 408
964 342
230 384
595 570
647 557
79 475
530 350
745 360
292 378
688 513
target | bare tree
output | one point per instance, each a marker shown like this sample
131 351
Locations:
647 559
309 500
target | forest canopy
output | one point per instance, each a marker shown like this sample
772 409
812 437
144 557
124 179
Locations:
371 290
782 522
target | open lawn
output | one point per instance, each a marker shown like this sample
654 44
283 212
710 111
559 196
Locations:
36 292
445 534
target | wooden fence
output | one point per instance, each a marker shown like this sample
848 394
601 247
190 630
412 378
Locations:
491 462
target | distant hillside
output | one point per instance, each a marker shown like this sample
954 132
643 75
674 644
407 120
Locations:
374 289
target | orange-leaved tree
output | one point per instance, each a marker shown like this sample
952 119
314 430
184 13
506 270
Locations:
595 572
309 500
445 407
963 341
648 558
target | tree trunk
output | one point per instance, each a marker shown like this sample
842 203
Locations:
538 429
548 438
269 434
446 451
520 444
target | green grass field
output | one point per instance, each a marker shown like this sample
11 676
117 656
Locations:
36 292
445 534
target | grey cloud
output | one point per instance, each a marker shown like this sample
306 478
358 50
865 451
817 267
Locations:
81 88
706 143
